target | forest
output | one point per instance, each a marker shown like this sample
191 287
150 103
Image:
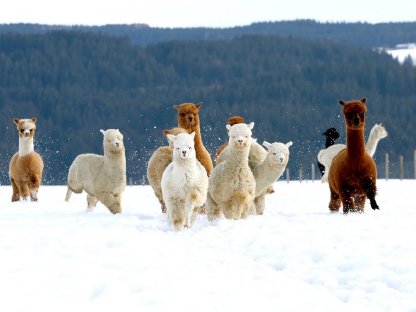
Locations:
78 82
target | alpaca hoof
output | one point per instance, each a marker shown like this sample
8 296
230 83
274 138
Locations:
376 207
164 210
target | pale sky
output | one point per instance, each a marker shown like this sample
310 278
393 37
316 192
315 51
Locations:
210 13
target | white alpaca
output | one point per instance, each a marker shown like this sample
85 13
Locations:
184 182
103 178
326 155
231 185
269 170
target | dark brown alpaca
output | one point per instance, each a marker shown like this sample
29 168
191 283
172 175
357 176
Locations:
188 118
353 172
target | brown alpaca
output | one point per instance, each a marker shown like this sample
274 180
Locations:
188 118
158 162
353 172
231 121
26 166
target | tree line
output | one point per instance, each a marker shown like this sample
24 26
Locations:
78 82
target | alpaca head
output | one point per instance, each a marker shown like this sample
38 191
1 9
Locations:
233 120
379 131
25 127
188 115
113 141
277 153
331 134
174 131
240 135
183 145
354 113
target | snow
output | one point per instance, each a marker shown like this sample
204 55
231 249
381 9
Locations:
402 51
56 256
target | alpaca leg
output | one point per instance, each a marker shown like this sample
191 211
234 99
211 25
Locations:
212 209
34 195
359 201
161 201
15 196
92 201
68 194
335 201
370 190
189 209
111 201
260 202
178 217
23 190
347 201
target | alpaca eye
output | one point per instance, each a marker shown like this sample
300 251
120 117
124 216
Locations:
22 130
183 114
190 148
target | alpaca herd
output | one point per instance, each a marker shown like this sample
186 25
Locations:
186 182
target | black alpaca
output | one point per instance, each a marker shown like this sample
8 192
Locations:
331 135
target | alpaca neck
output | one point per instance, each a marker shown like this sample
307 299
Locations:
26 146
266 173
198 138
329 142
239 158
355 143
371 144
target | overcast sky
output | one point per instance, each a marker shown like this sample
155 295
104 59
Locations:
211 13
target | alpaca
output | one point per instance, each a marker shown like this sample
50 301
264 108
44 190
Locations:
26 166
102 177
331 135
256 155
269 170
353 172
232 186
184 182
325 156
188 118
158 162
231 121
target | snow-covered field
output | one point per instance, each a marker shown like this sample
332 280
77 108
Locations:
55 256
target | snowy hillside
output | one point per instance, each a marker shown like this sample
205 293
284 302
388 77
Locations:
402 51
55 256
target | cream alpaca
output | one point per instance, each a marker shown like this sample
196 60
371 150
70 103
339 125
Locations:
103 178
326 155
184 182
26 166
232 186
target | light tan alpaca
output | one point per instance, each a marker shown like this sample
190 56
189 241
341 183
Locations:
158 162
26 166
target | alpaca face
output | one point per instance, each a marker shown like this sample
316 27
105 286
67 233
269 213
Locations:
113 141
183 146
278 153
380 131
25 127
240 135
354 113
188 115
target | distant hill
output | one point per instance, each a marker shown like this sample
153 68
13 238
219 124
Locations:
361 34
77 82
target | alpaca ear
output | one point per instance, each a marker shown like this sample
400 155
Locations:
102 131
228 127
199 105
175 106
34 119
16 120
251 125
192 135
266 144
341 102
289 144
171 137
166 132
363 100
